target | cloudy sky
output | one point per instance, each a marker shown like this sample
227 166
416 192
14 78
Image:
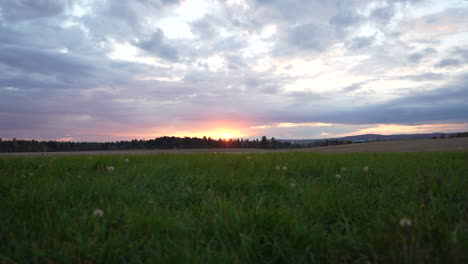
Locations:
102 70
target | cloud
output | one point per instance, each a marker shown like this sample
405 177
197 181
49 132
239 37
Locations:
458 57
158 46
383 14
345 19
427 76
43 62
462 53
15 10
444 103
305 38
353 87
205 28
292 125
361 42
418 56
448 63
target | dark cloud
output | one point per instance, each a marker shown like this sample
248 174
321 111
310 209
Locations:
353 87
361 42
205 28
446 102
345 19
461 53
159 3
14 10
235 62
383 14
158 46
427 76
299 99
31 60
445 63
231 43
458 58
124 21
314 37
418 56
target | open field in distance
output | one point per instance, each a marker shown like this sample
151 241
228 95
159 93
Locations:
417 145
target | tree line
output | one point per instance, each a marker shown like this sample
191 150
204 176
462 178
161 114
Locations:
460 134
166 142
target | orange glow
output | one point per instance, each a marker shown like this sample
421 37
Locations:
224 134
64 139
214 134
214 131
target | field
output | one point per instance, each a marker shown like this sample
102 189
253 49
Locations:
416 145
296 207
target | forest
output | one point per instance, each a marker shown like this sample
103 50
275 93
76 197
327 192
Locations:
17 145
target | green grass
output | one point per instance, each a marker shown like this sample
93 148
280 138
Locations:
227 208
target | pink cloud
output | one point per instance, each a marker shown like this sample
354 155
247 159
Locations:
392 129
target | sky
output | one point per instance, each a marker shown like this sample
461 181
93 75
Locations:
107 70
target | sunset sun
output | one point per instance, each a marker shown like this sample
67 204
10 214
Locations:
224 134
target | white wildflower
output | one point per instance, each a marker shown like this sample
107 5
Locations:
366 169
110 168
405 222
98 213
338 176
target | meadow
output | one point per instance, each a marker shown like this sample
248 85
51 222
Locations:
294 207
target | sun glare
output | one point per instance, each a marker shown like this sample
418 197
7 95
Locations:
224 134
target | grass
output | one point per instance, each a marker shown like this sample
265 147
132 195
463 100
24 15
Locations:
228 208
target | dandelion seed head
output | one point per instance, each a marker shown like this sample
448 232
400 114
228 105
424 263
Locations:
284 168
366 169
110 168
343 169
98 213
338 176
405 222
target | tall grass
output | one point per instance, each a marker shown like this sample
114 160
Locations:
227 208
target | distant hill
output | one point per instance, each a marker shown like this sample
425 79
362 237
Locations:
373 137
